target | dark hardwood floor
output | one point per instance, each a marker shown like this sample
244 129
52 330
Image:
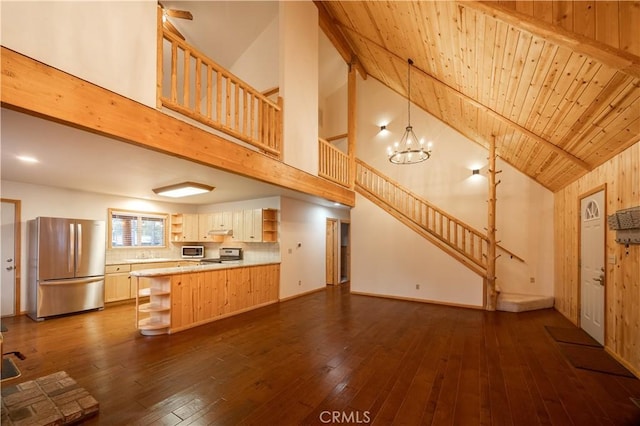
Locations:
327 358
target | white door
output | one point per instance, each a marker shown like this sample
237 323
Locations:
7 256
592 233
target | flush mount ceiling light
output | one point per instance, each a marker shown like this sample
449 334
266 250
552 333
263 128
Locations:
183 189
409 150
27 159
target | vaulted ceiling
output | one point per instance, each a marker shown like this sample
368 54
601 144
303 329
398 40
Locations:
557 83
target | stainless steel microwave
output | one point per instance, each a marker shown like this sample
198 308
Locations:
192 252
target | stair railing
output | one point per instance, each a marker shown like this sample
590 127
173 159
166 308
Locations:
458 236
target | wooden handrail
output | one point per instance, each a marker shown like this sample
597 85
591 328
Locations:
333 163
270 92
337 137
202 90
459 237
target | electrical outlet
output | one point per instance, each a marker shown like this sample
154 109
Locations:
532 280
299 282
417 286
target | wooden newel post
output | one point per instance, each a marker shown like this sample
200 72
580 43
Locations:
492 296
352 120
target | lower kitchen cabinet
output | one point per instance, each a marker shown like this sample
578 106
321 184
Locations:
153 306
117 283
189 299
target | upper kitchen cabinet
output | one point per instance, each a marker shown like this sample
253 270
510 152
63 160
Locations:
270 225
184 227
213 226
247 226
252 232
221 221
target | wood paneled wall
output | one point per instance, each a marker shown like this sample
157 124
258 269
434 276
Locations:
608 22
621 176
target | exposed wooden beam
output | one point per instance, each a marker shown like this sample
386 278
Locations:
338 40
352 124
619 59
38 89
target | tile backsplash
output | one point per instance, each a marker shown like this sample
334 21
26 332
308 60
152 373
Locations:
267 252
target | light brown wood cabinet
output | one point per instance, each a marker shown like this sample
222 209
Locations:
251 226
190 299
117 281
117 284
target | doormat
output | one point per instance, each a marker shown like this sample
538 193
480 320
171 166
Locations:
55 399
574 335
9 369
593 359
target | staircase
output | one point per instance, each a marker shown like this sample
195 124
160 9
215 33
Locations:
460 240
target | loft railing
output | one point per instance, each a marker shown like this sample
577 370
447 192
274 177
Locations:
195 86
333 163
464 242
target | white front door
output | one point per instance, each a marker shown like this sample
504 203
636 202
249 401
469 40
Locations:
592 234
7 260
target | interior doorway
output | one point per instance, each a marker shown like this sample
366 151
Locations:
345 252
10 258
338 256
332 252
592 261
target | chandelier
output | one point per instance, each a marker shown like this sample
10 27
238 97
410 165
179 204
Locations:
409 150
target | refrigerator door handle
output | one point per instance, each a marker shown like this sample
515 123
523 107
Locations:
79 248
72 248
78 281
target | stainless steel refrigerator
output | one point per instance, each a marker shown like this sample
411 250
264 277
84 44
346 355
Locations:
66 266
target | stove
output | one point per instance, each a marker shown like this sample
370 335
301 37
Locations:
227 255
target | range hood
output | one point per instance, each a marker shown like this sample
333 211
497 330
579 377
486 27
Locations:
220 232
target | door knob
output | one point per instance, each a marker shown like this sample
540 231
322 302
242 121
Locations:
9 268
600 279
9 260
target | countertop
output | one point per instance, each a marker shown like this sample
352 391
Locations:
147 260
199 268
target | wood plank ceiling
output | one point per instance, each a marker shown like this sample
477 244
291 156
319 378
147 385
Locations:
557 83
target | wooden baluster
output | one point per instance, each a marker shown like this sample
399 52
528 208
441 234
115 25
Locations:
218 97
186 77
198 94
209 92
174 72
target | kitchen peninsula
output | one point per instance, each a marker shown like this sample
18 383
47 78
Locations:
188 296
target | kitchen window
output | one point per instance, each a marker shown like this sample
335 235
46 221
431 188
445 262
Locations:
137 229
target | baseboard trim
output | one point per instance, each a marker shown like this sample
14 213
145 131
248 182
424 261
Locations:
295 296
412 299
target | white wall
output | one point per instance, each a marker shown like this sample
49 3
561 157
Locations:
525 208
110 44
299 83
390 259
258 65
303 245
37 200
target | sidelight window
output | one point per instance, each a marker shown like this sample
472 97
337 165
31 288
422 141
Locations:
137 229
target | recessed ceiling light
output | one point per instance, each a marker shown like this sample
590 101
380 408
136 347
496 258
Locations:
183 189
27 159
